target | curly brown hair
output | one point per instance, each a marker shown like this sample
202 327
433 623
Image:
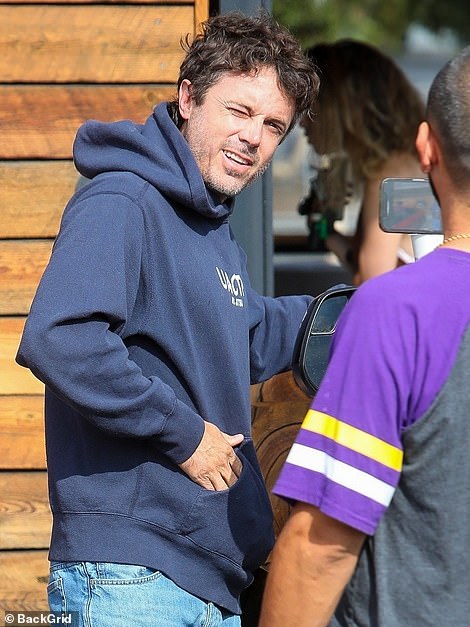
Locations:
239 44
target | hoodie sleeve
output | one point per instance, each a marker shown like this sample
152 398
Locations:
274 324
72 338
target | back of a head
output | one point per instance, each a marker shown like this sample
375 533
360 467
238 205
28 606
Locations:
448 113
368 100
240 44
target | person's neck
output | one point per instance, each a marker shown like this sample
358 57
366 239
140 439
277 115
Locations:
456 221
459 240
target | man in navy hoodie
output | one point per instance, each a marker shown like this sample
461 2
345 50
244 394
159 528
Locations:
147 335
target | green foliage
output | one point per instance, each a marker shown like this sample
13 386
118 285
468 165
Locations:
381 23
439 14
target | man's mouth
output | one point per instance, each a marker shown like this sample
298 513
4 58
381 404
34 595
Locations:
236 158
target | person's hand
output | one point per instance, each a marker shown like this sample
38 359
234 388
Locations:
214 465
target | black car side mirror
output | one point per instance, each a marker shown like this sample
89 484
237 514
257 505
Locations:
312 347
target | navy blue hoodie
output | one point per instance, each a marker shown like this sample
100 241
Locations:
143 326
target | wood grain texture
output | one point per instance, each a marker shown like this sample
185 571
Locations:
92 43
13 378
22 263
22 433
38 121
33 195
25 517
201 13
24 580
103 2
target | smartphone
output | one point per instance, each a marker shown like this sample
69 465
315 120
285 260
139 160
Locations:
408 206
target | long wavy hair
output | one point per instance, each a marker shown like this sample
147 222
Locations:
366 106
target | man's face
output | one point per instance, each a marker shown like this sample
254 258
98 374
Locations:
235 131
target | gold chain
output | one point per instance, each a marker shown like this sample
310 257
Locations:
454 237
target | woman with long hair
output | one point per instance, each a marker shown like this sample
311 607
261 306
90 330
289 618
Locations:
367 116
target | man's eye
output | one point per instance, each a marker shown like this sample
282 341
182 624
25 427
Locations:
238 112
276 128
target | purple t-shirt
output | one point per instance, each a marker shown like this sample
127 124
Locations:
394 347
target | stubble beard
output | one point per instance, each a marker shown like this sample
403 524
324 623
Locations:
226 189
218 183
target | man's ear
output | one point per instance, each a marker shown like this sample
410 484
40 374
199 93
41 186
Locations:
427 148
185 100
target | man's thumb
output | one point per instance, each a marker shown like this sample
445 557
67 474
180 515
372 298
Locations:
234 440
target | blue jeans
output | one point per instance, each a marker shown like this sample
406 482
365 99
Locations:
120 595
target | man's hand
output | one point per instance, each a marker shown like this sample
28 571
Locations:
214 464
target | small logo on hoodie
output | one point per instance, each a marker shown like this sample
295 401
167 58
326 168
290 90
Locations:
234 286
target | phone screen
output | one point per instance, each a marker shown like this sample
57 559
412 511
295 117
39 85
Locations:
408 206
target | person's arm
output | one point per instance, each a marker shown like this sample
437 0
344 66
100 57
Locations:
274 325
72 343
379 250
313 560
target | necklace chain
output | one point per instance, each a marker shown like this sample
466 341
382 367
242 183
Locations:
452 238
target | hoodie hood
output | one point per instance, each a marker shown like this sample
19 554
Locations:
155 151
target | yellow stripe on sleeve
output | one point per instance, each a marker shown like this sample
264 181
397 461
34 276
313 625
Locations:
354 439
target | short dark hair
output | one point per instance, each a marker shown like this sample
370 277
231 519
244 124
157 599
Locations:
448 113
239 44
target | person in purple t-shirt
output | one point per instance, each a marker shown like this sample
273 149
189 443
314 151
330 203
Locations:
379 471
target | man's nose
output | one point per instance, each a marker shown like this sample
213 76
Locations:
252 132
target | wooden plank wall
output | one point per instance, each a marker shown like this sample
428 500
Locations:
60 64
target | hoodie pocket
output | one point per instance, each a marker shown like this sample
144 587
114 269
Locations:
237 522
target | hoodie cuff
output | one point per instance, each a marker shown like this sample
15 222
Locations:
181 434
